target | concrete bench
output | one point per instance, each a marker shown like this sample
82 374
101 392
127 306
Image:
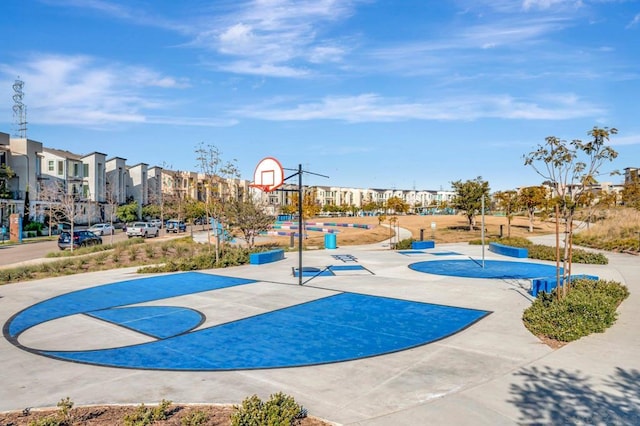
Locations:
548 284
505 250
266 257
418 245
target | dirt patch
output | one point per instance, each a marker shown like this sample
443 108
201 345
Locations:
448 229
109 415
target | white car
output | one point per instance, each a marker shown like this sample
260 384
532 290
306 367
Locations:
142 229
102 229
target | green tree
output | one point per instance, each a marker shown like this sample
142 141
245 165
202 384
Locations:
6 174
468 197
128 212
507 201
571 167
248 217
533 198
151 211
397 205
194 209
371 206
631 193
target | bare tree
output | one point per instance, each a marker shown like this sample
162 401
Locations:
112 200
571 167
64 207
217 175
249 217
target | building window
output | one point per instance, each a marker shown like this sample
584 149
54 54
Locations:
60 168
50 165
85 170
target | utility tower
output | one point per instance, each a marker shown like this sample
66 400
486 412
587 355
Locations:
19 110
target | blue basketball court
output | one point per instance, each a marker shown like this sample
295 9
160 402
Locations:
340 326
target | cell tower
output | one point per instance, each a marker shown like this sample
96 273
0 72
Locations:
19 110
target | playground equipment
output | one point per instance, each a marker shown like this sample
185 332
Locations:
219 231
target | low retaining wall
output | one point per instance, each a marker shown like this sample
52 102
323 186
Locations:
548 284
266 257
417 245
505 250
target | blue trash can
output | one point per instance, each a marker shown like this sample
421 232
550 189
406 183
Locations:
330 241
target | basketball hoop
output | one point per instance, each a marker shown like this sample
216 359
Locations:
269 175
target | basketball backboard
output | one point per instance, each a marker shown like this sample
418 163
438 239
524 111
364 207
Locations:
269 175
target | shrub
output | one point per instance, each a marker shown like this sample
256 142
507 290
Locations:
404 244
195 418
149 250
61 418
145 416
234 256
589 307
133 253
280 409
508 241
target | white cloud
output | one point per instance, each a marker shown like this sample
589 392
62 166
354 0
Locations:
374 108
547 4
83 91
617 140
267 70
635 21
281 35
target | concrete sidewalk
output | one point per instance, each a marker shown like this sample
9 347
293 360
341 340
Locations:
494 372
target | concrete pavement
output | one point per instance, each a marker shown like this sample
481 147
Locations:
493 373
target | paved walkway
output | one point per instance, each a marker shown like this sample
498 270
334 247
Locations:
492 373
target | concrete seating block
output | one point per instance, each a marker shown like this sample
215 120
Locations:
506 250
418 245
266 257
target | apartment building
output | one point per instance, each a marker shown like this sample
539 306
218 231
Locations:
117 180
631 174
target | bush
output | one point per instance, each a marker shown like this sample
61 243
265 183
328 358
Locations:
507 241
145 416
541 252
196 418
280 409
61 418
589 307
404 244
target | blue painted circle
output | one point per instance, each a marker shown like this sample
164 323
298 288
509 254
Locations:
496 269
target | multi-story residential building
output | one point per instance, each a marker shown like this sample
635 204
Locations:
138 185
94 177
417 200
63 171
22 157
154 185
117 178
631 174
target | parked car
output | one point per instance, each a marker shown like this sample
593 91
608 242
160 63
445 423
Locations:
80 239
142 229
156 222
102 229
176 226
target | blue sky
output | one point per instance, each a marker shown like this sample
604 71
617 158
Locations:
373 93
